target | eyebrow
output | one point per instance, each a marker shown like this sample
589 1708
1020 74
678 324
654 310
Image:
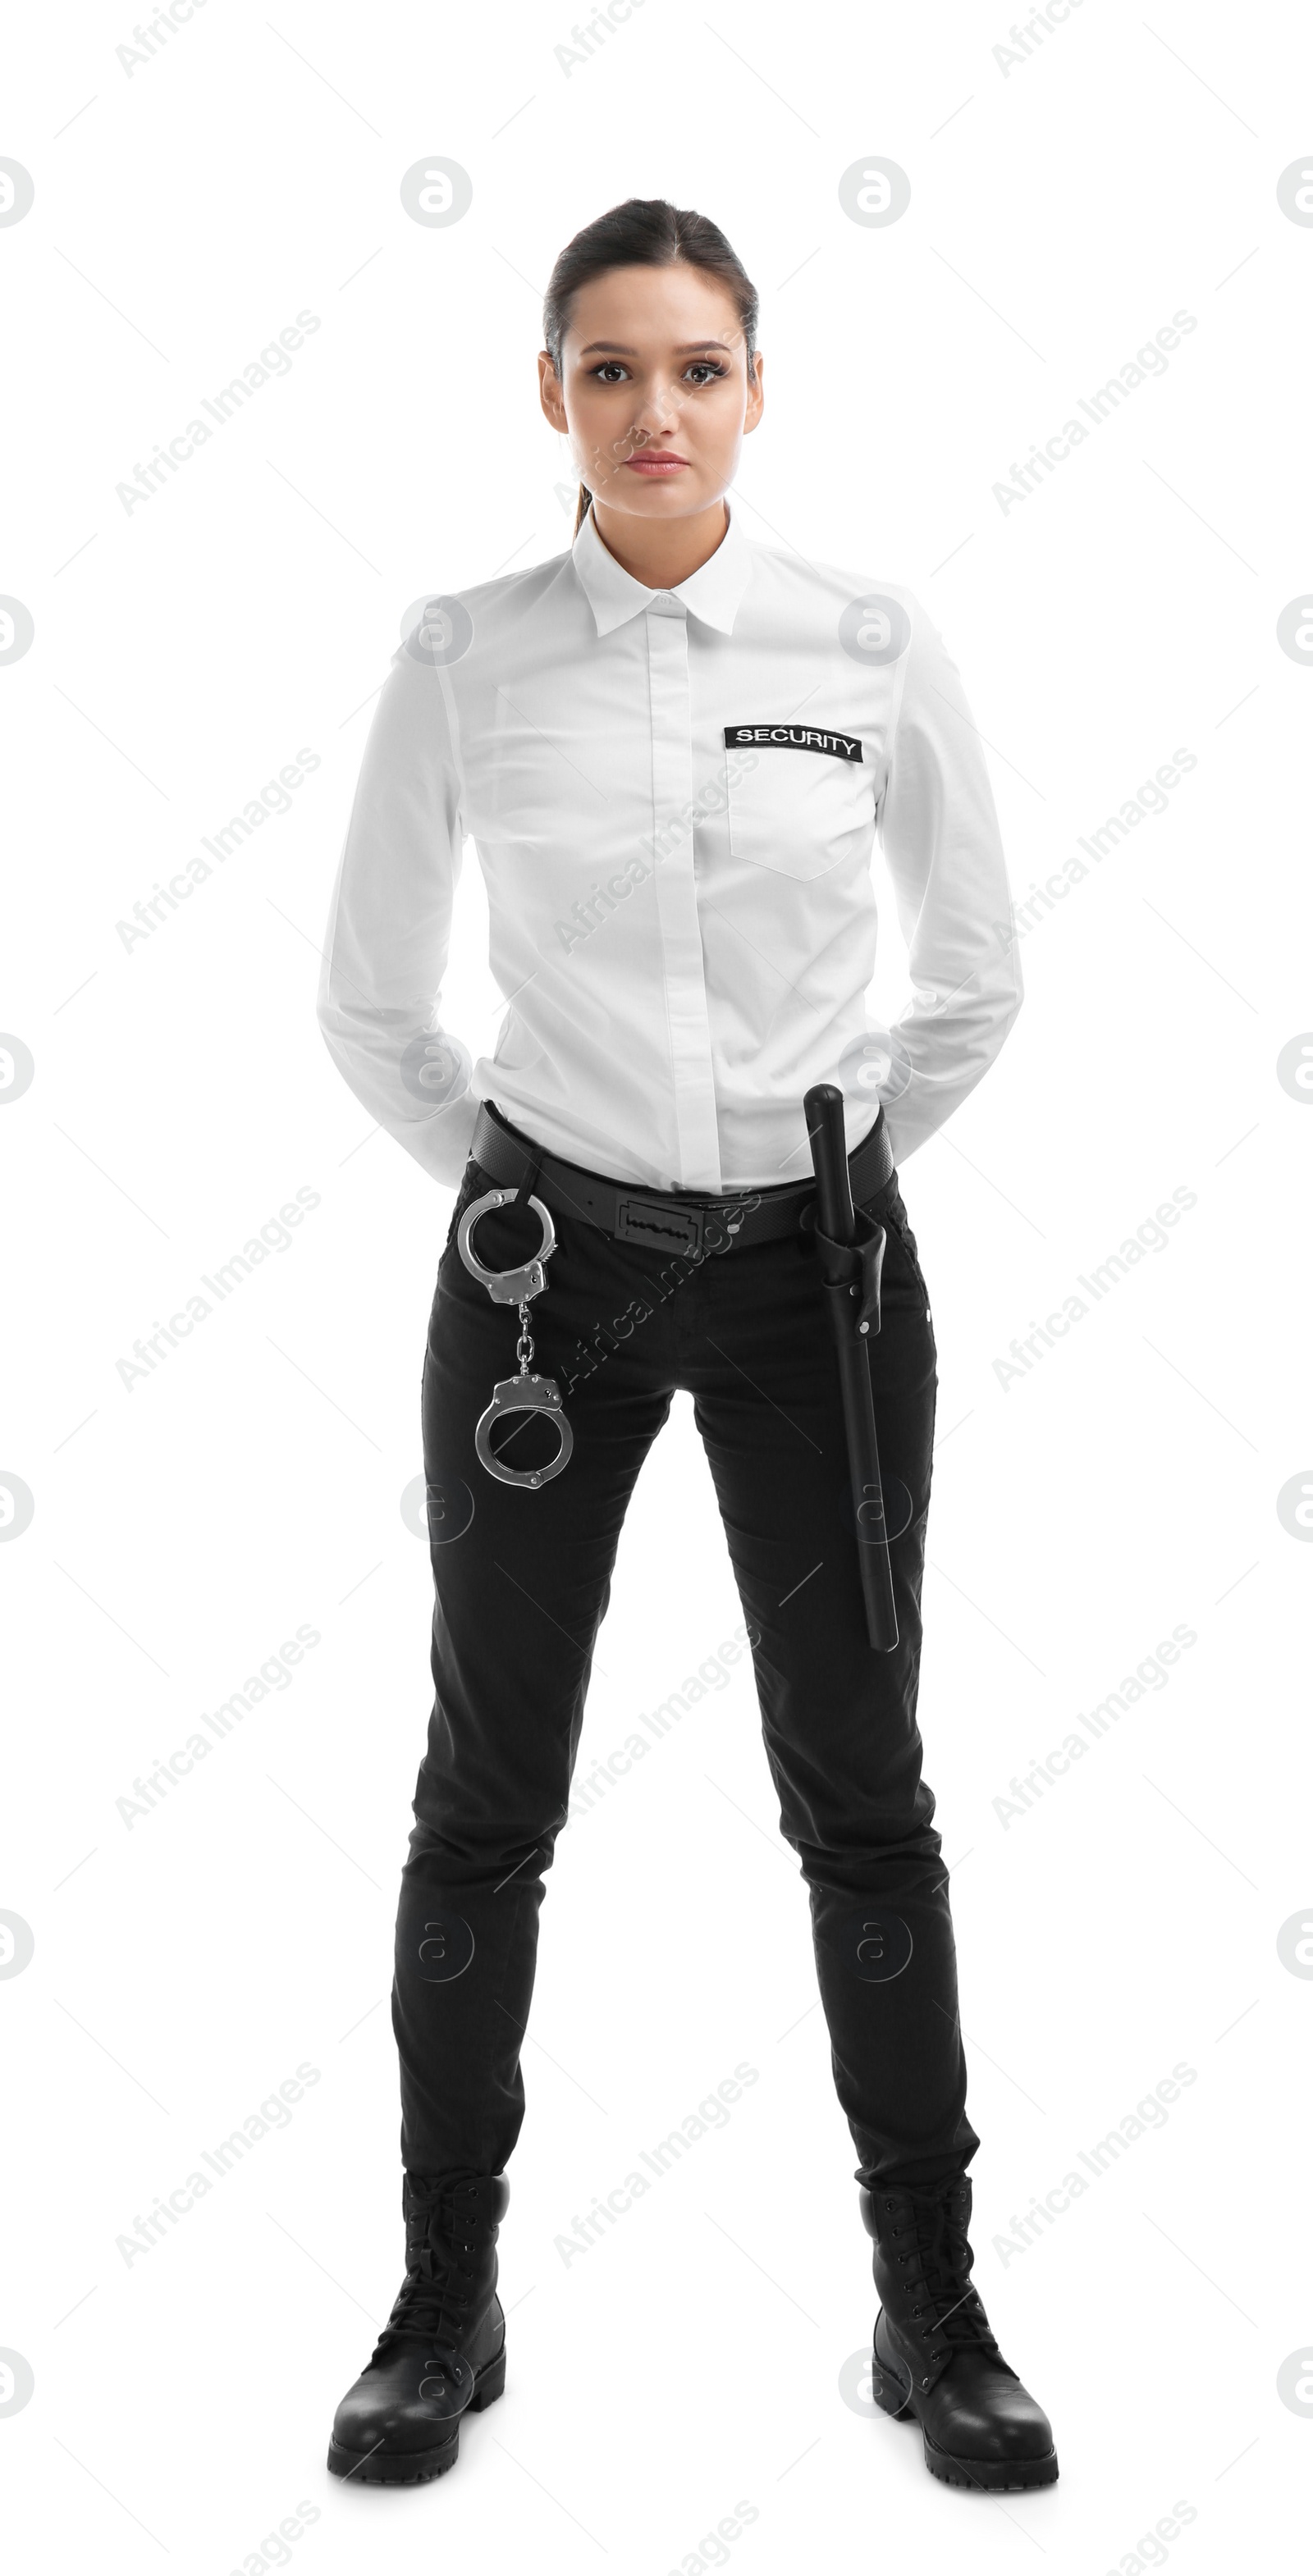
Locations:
620 349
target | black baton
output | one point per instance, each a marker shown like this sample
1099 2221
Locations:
851 1253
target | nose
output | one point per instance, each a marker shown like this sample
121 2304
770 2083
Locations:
658 411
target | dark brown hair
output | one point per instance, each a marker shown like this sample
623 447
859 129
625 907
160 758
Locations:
644 232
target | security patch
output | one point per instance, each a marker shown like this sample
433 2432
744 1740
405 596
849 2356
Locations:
791 737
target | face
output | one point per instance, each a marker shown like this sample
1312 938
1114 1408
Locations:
654 393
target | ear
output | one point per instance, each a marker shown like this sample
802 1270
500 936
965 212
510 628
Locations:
549 393
756 397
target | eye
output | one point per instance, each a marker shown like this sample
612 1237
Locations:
705 370
610 371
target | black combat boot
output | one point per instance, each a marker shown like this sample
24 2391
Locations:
935 2356
444 2345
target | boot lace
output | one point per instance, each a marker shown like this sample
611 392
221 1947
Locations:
939 2261
443 2243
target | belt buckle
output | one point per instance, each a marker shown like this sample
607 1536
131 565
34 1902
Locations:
661 1225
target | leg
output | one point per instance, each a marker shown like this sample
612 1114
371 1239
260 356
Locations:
522 1579
839 1719
841 1735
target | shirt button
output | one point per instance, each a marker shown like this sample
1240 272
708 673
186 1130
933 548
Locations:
663 603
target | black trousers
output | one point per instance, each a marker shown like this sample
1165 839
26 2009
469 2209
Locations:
522 1579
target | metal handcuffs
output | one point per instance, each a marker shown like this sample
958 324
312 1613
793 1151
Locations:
527 1393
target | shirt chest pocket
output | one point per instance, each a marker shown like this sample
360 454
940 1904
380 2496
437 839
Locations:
795 811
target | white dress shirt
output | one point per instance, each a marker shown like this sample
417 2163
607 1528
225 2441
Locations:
674 797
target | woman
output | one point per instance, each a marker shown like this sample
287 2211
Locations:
673 748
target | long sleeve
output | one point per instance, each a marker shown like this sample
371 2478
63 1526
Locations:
939 833
389 926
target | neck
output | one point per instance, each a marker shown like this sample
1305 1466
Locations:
657 554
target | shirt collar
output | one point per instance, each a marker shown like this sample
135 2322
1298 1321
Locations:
712 593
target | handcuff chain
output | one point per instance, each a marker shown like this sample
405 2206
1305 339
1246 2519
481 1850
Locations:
524 1346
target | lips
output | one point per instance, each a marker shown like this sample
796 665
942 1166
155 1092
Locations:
656 465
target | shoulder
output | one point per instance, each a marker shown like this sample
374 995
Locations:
511 595
442 626
871 612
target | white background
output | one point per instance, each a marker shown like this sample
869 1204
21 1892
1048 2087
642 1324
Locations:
1062 209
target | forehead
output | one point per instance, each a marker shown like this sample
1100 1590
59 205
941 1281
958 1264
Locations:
654 308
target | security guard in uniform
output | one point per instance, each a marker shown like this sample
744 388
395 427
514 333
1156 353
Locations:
674 749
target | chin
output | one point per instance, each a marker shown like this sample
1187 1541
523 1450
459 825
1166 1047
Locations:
681 499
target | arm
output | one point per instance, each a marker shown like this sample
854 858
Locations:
389 926
939 832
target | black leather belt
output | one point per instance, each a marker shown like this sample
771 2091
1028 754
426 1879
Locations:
678 1221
